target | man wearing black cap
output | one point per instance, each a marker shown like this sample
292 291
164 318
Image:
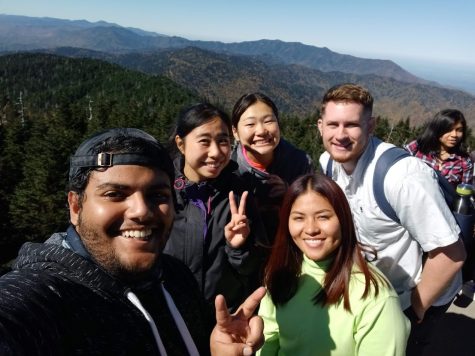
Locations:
103 287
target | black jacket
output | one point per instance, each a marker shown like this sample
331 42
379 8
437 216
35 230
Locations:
197 237
55 302
288 164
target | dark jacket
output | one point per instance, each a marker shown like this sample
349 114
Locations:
197 237
55 302
270 186
289 162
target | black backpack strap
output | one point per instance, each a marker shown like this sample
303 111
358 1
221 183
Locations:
329 170
385 161
448 190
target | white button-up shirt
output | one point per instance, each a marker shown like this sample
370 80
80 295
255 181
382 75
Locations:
411 188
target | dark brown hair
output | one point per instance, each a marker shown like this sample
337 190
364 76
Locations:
283 268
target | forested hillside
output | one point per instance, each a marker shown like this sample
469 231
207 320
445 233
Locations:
27 33
50 103
320 58
296 89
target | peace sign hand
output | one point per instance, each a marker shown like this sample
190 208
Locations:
237 230
240 333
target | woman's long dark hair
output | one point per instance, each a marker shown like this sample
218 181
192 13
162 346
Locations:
442 122
283 268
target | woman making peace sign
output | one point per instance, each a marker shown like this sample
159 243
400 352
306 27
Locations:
217 226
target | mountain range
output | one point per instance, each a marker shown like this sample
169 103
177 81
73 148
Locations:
293 74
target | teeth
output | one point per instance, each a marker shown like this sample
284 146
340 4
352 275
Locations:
138 234
313 242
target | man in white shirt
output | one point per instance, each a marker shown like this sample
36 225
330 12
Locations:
426 288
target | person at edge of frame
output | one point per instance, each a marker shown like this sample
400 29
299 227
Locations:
104 287
426 225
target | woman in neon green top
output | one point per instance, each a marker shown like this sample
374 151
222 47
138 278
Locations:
323 297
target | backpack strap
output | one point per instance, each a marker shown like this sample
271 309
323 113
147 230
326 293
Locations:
448 190
385 161
329 170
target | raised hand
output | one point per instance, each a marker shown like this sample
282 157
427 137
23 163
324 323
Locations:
240 333
237 230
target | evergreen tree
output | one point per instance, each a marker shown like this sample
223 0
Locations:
399 133
304 134
38 206
65 100
15 129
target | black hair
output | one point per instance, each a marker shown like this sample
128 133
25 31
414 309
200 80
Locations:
193 117
441 123
247 100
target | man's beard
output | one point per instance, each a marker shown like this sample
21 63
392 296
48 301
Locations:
106 257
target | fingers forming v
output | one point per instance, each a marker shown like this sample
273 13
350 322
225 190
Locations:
246 309
222 314
232 203
242 203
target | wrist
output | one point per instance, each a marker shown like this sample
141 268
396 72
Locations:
417 306
412 315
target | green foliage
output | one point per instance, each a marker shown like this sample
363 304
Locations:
398 133
49 104
304 134
62 101
12 158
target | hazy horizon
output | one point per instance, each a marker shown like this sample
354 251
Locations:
428 38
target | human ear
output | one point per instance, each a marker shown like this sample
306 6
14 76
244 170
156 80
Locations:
319 125
180 144
74 207
235 133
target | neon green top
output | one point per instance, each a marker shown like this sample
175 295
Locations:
376 326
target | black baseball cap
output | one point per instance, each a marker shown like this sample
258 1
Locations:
89 154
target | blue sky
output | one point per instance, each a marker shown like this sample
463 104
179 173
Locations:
435 37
